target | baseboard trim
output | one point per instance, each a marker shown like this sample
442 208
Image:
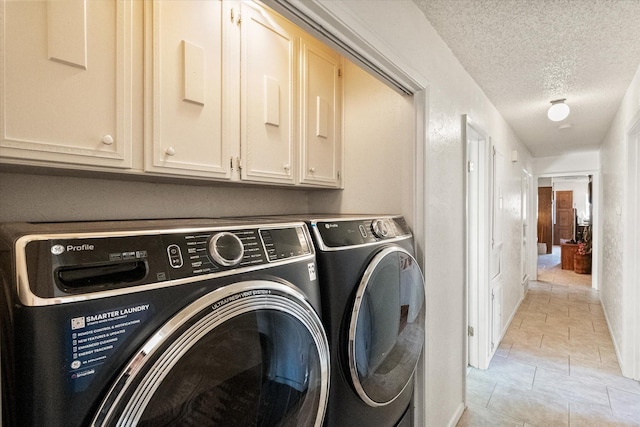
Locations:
457 415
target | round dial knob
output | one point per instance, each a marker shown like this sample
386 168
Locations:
226 249
379 228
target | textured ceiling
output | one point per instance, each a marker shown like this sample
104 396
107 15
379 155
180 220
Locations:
526 53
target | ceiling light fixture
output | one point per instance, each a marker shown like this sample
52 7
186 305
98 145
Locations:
558 110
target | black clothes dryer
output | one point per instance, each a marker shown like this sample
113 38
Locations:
161 323
373 302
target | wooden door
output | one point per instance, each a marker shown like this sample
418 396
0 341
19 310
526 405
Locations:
545 223
564 217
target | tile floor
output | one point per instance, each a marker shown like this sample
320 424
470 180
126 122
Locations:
556 365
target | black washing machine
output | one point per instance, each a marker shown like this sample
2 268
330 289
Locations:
373 303
161 323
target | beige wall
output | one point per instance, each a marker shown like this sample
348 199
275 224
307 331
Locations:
378 135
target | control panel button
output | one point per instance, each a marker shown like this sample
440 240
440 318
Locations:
226 249
175 256
363 231
379 228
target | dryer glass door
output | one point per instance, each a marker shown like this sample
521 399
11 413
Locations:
386 334
257 357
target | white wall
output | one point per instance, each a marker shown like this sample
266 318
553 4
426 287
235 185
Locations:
617 300
569 164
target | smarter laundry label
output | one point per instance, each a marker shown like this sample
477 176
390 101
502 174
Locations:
94 337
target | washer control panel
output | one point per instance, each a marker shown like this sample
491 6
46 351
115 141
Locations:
88 262
353 232
220 250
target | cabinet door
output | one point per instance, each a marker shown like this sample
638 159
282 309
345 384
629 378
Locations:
185 89
321 112
268 53
66 82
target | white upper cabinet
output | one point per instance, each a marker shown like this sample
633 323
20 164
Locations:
228 91
268 90
185 127
321 113
66 82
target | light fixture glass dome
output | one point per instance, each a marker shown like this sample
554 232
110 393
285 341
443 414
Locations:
558 110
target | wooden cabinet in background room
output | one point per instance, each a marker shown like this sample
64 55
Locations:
567 253
66 83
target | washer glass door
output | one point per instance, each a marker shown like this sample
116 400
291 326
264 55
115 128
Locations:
254 355
386 333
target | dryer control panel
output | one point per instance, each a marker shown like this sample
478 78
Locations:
342 233
67 264
218 251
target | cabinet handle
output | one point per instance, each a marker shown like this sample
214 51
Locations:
107 140
170 151
312 170
233 17
287 168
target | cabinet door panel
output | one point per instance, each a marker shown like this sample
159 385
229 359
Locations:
186 91
268 89
67 82
321 114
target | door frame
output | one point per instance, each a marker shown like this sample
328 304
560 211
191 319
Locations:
630 269
477 243
526 220
596 230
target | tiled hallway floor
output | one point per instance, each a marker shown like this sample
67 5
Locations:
556 366
549 271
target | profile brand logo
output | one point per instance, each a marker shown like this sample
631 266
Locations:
80 248
328 226
57 249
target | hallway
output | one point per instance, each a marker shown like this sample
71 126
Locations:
556 365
